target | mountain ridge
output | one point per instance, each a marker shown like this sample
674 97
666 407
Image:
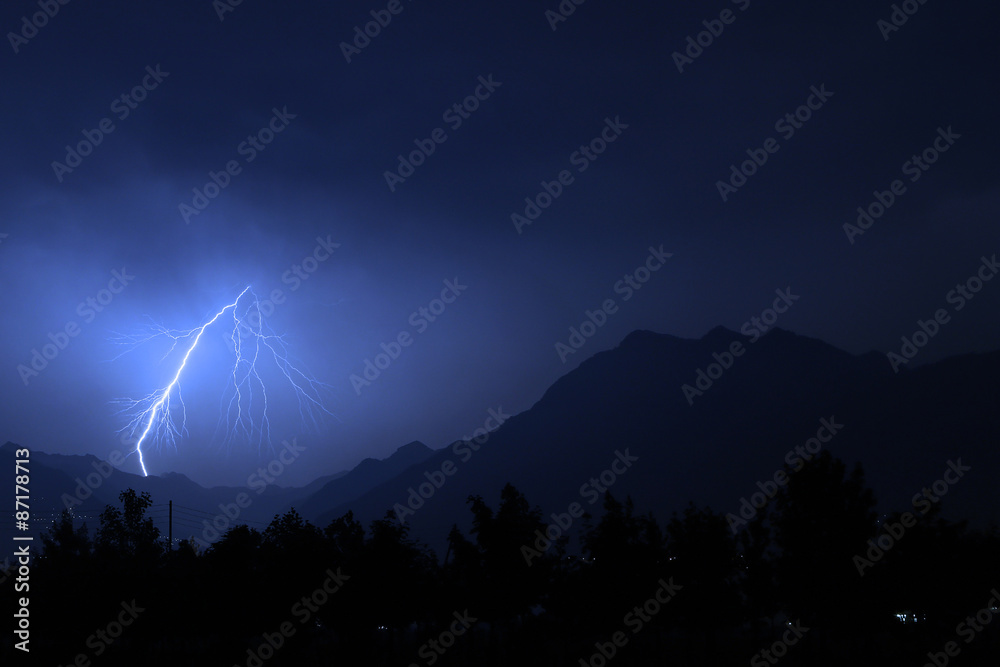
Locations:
710 448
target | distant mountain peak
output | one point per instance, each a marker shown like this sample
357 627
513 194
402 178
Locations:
720 332
411 447
718 329
645 338
642 337
364 477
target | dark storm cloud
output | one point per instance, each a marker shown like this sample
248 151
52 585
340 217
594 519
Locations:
322 177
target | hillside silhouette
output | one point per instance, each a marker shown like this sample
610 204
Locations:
807 502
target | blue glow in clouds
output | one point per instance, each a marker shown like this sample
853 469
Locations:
252 343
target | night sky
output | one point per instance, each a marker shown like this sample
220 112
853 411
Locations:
594 111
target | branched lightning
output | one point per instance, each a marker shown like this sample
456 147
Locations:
252 341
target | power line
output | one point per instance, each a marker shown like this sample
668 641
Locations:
195 510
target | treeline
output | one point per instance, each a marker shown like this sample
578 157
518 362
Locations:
787 586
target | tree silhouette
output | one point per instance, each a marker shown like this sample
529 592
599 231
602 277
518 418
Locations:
65 546
822 519
128 532
508 586
626 555
794 559
703 552
756 565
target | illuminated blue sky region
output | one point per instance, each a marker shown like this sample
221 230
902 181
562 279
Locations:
253 344
439 211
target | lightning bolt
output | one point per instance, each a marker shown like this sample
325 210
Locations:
250 338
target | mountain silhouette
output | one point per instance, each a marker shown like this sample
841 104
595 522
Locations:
629 404
714 448
367 475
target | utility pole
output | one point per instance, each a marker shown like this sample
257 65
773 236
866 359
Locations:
170 524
